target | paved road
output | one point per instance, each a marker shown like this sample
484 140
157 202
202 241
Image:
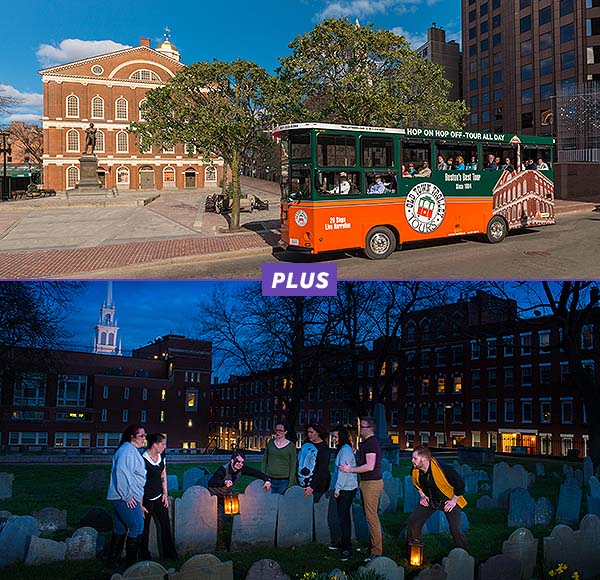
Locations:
570 249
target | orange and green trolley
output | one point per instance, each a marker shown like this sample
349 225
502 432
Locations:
373 188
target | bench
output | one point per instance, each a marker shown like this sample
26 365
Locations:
36 191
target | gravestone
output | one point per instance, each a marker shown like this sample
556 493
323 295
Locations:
153 535
589 540
471 483
266 570
539 470
323 528
15 537
567 470
588 469
459 565
505 479
255 524
97 518
195 521
207 567
578 477
359 521
594 485
172 483
51 519
569 503
196 476
522 546
411 495
466 470
44 551
6 482
94 481
543 512
295 518
82 544
593 505
146 570
531 479
384 503
386 567
485 487
438 523
500 567
485 503
435 572
392 487
521 510
386 466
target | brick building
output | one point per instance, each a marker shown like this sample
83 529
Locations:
107 90
469 373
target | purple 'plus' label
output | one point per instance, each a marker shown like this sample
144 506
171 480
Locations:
299 279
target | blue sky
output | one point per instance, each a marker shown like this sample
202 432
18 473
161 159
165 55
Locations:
42 33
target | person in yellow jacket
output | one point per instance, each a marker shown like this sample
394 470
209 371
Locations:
440 488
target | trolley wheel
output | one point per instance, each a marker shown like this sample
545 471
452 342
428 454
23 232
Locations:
497 230
380 243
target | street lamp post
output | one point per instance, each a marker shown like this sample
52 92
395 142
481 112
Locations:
5 150
446 407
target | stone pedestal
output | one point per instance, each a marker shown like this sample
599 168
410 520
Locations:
390 450
89 184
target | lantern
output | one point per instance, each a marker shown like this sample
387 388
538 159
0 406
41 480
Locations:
231 504
416 553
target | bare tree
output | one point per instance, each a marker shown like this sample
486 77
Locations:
30 139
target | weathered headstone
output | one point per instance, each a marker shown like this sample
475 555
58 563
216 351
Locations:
386 466
15 537
44 551
146 570
97 518
195 521
589 540
578 475
6 482
459 565
569 503
593 505
359 521
51 519
94 481
255 524
543 512
411 495
82 544
153 535
530 479
539 470
588 469
485 503
438 523
435 572
567 470
522 546
295 518
472 483
521 509
322 524
392 487
266 570
207 567
384 502
195 476
594 485
386 567
500 567
505 479
172 483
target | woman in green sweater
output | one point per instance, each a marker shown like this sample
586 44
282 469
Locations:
279 460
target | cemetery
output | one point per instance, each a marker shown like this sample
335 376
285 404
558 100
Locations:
524 518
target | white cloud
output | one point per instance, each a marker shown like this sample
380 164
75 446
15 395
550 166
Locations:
367 8
24 99
28 107
72 49
29 118
415 40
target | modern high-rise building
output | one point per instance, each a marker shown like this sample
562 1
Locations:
447 55
520 54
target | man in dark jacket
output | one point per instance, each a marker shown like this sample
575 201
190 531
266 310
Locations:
440 488
223 480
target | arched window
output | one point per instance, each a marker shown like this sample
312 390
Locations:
99 141
72 106
111 339
72 140
145 75
72 176
123 176
141 104
122 142
210 174
107 319
169 176
121 109
103 338
97 108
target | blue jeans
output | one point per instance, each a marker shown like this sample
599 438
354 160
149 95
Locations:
127 519
279 485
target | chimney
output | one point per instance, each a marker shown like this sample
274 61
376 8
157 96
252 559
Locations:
145 42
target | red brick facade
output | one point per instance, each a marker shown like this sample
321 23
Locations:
107 90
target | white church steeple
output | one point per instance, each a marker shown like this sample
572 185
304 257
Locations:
105 337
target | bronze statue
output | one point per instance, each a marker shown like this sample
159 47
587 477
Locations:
90 139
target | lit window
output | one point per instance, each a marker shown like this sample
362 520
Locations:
162 416
169 175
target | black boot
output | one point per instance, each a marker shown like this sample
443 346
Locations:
132 551
115 549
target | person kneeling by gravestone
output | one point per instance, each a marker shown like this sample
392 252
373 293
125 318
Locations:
223 480
440 488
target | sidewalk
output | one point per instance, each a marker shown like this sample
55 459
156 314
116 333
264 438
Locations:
58 237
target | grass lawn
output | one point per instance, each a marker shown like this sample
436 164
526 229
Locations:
39 486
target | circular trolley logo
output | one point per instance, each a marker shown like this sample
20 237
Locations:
425 207
301 218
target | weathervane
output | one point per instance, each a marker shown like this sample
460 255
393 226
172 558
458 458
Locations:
167 33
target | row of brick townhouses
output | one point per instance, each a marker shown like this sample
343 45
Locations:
470 373
108 90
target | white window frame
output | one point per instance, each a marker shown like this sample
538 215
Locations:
476 408
565 402
489 406
65 440
545 402
73 141
170 169
526 349
508 419
104 415
67 381
72 106
97 107
121 109
125 416
21 438
121 171
105 392
508 345
30 390
120 142
526 403
544 341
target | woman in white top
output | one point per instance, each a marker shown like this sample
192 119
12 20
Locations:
345 488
